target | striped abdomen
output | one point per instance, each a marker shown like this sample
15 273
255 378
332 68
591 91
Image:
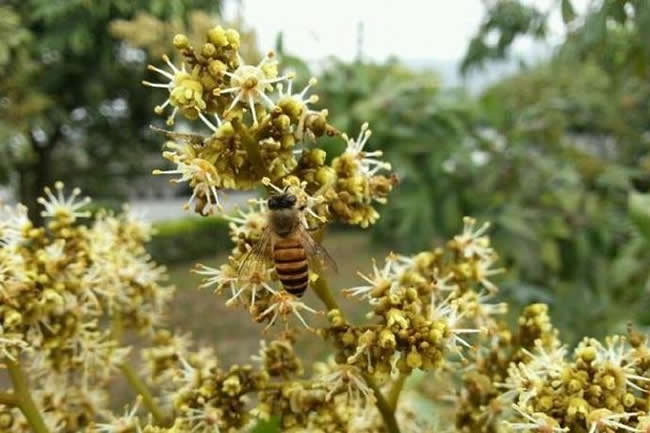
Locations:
291 265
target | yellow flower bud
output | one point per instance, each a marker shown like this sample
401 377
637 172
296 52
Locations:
233 38
216 68
52 298
414 359
387 339
629 400
367 338
396 317
232 385
348 339
181 41
13 319
217 36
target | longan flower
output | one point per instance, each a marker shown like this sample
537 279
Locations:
248 224
547 361
614 354
14 224
128 422
279 358
523 383
296 105
358 182
283 304
202 177
11 344
347 380
185 90
368 161
604 420
472 242
251 83
204 419
483 271
536 422
58 206
99 356
449 313
243 288
382 280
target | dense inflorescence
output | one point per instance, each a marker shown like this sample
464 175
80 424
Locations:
261 127
59 284
69 292
424 307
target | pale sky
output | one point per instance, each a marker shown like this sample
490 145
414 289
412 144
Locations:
410 29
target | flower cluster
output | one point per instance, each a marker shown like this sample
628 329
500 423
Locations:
260 127
59 284
425 306
602 388
525 381
70 290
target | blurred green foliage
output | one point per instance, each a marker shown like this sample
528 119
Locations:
187 239
556 156
72 105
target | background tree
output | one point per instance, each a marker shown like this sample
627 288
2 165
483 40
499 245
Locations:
555 155
72 106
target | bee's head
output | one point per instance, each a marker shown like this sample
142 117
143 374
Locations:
282 201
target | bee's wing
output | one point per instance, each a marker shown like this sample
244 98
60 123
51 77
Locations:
257 257
314 250
180 136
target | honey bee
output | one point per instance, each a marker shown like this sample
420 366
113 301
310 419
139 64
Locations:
185 137
286 243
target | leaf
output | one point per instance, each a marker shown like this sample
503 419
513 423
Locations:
550 254
271 426
568 13
639 208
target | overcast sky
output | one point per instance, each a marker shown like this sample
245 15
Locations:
410 29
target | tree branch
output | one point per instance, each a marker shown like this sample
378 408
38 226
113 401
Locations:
23 397
147 398
387 411
395 390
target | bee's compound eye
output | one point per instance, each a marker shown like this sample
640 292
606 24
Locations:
272 203
291 199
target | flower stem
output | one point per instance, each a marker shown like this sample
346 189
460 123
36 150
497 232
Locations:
252 147
395 390
322 290
23 398
117 330
147 398
387 411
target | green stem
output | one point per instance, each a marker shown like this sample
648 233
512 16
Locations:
23 398
117 331
395 390
147 398
252 147
386 411
321 288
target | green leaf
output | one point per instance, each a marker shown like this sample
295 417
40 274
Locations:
271 426
639 208
568 13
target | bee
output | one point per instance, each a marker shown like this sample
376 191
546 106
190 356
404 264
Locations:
196 140
286 243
